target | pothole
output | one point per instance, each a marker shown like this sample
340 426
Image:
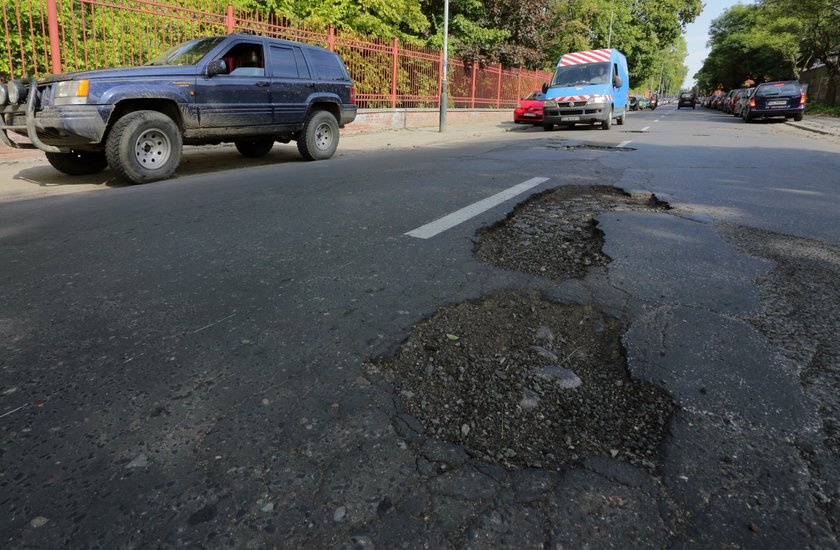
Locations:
526 382
573 145
553 234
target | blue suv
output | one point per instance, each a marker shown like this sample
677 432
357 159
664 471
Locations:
245 89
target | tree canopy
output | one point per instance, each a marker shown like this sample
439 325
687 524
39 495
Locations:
773 39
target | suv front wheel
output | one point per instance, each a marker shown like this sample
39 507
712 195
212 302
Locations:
144 146
319 138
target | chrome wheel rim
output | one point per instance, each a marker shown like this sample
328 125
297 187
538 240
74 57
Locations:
152 149
323 136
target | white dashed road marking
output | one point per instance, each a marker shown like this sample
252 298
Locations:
459 216
623 144
646 128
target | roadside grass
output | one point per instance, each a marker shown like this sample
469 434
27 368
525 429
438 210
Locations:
816 108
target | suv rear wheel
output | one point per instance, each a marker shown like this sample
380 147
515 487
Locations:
144 146
798 117
254 148
78 163
319 138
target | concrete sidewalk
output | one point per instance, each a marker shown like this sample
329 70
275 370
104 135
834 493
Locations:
820 124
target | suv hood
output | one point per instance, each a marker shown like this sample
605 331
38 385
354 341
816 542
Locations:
145 71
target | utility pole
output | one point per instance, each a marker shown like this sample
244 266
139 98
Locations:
442 124
612 13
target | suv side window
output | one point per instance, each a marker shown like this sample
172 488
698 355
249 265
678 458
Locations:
283 63
245 59
326 65
303 70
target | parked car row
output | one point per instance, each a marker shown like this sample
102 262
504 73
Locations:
767 100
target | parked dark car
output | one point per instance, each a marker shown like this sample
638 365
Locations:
776 99
633 103
687 99
530 109
247 89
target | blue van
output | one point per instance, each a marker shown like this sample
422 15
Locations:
588 87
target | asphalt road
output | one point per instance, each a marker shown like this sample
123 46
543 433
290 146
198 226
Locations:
180 362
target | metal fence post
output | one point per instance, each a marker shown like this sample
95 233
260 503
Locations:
55 44
331 39
229 20
518 83
499 90
474 72
394 74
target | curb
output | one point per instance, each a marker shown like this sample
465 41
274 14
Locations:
813 129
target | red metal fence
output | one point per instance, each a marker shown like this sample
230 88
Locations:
48 36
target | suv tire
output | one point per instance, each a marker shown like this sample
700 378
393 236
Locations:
78 163
319 138
254 148
798 117
144 146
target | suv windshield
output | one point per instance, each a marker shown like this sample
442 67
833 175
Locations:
581 75
188 53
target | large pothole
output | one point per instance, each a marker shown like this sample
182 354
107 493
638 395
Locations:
527 382
553 234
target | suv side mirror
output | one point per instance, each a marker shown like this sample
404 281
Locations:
545 87
617 82
217 66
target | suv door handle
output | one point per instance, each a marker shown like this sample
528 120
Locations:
262 83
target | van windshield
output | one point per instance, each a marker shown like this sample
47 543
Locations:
581 75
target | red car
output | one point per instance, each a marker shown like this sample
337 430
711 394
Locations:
530 109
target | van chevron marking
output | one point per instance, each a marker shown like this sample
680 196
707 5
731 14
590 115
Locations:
590 56
608 97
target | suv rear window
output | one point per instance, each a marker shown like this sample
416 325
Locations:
326 65
780 88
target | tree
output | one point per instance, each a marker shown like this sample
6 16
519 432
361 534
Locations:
750 43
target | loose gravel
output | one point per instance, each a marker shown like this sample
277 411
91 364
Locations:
554 233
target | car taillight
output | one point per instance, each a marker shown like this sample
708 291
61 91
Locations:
352 95
802 99
752 102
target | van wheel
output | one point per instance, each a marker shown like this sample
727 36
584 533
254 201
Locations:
254 148
144 146
319 138
78 163
620 120
606 124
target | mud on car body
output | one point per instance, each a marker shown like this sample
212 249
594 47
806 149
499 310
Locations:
244 89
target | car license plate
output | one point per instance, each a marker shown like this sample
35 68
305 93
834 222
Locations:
569 118
531 115
777 103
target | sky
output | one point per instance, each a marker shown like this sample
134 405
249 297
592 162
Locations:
697 34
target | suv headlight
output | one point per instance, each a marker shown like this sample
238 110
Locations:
71 92
549 103
16 91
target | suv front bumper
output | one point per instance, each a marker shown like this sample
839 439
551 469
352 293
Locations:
53 129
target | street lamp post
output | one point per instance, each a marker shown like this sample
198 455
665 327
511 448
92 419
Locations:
445 68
